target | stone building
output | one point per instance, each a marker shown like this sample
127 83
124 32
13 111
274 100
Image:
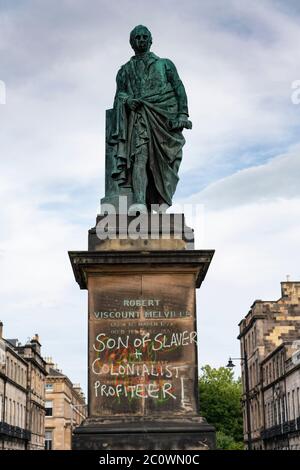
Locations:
36 377
281 391
22 391
65 409
270 339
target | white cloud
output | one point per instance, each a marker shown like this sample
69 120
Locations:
252 220
257 245
277 179
237 65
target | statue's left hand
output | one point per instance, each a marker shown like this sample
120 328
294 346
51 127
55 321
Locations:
182 122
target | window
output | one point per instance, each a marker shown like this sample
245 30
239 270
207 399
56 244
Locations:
10 411
49 387
281 405
275 412
6 409
21 417
13 419
272 413
293 405
49 408
48 440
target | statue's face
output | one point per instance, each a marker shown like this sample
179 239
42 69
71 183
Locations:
141 41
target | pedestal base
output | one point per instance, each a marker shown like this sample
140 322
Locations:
193 434
143 374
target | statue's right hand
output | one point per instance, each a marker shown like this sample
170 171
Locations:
133 104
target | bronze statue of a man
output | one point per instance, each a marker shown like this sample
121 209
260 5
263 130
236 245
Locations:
150 112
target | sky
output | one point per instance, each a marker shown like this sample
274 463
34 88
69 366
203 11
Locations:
58 61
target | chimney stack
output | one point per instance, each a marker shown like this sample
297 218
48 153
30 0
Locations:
49 363
35 343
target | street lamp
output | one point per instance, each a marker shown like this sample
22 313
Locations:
231 365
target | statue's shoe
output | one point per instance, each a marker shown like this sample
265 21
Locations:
137 209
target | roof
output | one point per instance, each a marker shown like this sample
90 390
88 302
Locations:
55 372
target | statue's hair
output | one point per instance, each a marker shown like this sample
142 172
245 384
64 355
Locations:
134 31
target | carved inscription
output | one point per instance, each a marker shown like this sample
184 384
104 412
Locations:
142 347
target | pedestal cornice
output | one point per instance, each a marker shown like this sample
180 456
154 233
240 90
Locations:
85 262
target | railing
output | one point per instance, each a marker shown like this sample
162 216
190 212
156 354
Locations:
285 427
281 429
272 432
292 425
14 431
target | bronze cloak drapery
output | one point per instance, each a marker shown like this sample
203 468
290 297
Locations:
150 125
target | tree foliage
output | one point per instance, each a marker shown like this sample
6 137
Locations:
226 442
220 404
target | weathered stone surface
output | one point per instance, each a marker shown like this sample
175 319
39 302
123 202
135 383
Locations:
85 263
143 375
142 344
193 434
142 349
269 336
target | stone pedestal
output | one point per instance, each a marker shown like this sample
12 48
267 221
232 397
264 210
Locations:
142 360
132 434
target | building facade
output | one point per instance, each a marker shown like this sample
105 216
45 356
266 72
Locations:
270 342
65 409
281 391
36 378
22 392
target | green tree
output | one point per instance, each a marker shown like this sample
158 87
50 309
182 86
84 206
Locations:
220 404
226 442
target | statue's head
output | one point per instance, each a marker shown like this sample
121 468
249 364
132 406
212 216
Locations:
140 39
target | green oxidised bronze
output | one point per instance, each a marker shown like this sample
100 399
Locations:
144 130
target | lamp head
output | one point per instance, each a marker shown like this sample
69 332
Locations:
230 364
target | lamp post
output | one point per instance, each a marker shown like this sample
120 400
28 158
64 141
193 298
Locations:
230 365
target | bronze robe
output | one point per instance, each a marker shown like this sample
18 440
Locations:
155 82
